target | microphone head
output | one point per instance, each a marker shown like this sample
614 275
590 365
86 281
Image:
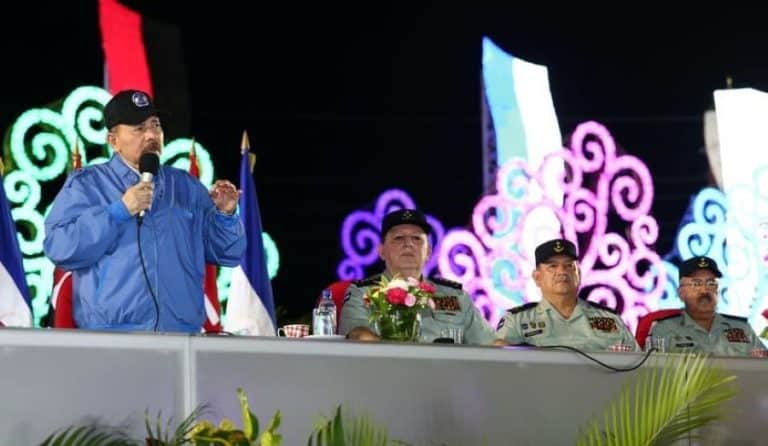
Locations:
149 162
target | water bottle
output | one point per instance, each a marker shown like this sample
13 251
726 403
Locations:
324 316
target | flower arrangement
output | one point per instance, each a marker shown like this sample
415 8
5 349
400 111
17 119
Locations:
395 306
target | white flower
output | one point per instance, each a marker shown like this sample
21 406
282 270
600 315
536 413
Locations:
413 281
398 283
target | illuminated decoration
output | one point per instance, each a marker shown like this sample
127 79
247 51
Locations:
619 269
741 115
360 235
39 143
519 119
519 123
701 233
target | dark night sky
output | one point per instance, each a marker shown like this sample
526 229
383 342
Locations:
341 108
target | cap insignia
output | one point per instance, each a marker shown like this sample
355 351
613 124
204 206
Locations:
140 99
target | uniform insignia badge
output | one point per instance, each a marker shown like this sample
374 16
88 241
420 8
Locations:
542 324
736 335
605 324
703 263
447 303
558 247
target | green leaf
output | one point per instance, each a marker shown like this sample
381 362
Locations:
662 404
87 436
250 422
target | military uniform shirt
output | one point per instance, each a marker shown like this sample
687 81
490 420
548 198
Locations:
453 308
728 336
591 327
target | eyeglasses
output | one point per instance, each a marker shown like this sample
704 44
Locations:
698 283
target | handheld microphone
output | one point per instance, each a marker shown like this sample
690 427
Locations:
149 164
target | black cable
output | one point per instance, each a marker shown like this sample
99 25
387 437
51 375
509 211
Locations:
146 276
615 369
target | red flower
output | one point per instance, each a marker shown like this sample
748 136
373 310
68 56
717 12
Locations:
765 313
396 296
424 286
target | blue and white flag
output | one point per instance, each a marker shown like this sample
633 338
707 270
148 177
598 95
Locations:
250 308
15 307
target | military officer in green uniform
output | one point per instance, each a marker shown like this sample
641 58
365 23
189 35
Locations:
700 328
561 318
405 249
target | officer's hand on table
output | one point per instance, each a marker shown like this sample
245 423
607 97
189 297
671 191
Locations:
362 334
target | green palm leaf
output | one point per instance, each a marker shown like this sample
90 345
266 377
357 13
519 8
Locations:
344 429
163 436
87 436
663 404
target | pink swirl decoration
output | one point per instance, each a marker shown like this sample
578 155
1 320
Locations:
617 267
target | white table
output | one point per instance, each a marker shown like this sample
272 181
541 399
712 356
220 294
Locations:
423 394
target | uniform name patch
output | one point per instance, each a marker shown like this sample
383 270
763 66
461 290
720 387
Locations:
447 303
605 324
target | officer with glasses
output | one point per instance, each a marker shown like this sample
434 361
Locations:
700 328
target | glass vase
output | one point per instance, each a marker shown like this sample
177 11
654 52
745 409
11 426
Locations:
399 324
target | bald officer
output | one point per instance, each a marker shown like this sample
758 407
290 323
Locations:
561 318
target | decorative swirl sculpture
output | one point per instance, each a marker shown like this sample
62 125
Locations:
618 269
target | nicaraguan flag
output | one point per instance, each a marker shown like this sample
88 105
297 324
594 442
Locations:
15 307
251 308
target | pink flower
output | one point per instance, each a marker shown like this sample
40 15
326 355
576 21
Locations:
413 282
427 287
366 300
431 303
396 296
410 300
765 313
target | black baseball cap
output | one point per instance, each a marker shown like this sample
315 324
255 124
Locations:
694 264
130 107
556 247
403 217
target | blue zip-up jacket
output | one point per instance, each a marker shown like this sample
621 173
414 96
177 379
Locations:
90 232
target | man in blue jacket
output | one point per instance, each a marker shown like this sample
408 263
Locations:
131 271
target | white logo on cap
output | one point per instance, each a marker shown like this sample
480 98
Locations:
140 99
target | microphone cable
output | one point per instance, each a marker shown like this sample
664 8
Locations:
592 358
146 276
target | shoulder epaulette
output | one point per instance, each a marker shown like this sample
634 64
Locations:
446 282
730 316
522 308
368 281
601 306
